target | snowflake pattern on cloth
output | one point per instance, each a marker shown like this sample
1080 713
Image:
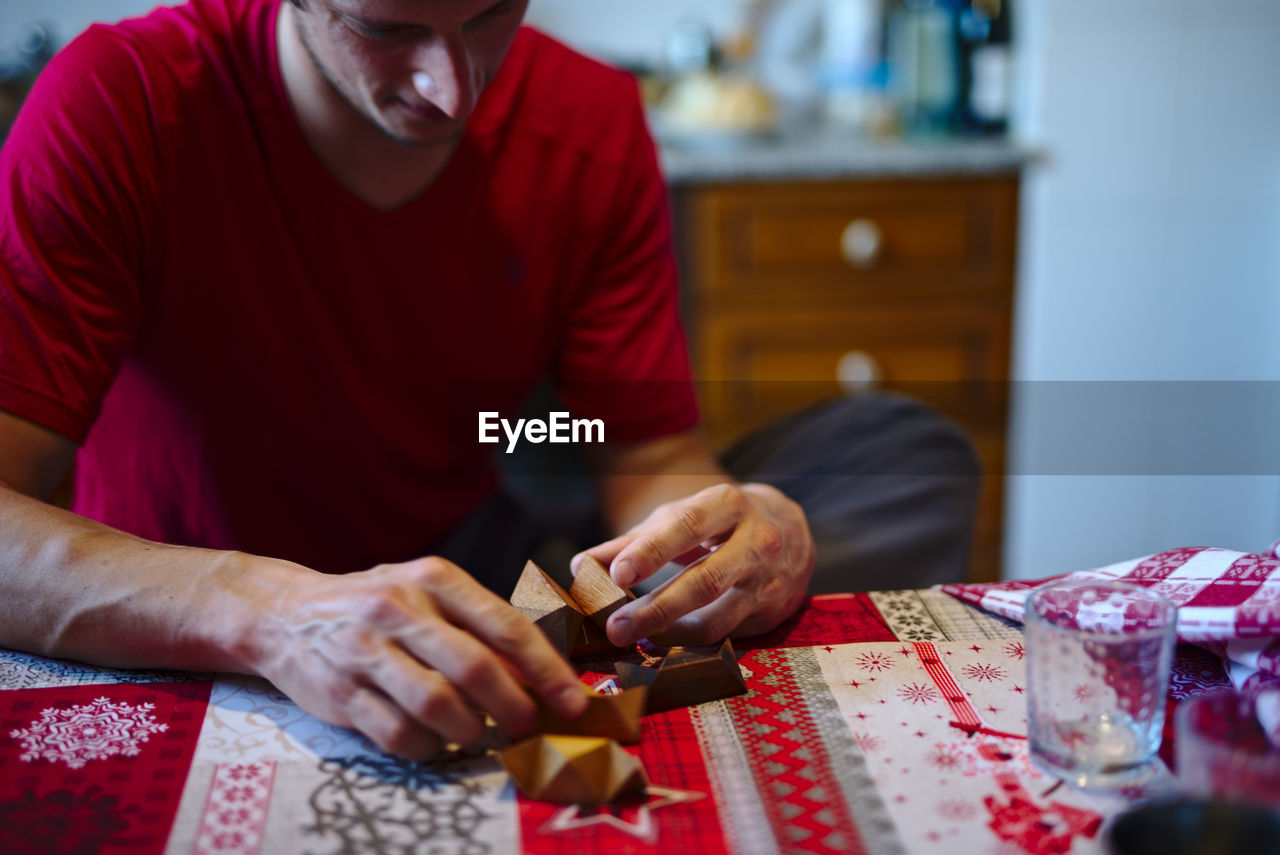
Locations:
943 734
85 732
64 820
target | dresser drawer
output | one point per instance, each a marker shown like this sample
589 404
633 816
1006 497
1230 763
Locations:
757 366
854 243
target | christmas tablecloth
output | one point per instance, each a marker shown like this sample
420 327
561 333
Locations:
1227 601
880 723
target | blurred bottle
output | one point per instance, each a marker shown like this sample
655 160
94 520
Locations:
788 38
924 65
986 45
851 56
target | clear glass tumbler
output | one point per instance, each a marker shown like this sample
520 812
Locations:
1098 659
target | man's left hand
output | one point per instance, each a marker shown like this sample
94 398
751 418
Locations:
749 557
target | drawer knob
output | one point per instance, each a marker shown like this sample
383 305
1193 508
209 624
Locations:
861 244
857 372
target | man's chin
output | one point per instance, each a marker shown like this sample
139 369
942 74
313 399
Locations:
423 140
409 129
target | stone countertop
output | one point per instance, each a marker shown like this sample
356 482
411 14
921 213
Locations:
822 155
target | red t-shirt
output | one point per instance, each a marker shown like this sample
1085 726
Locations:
254 358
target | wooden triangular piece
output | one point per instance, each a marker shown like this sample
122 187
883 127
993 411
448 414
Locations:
631 676
687 676
684 655
595 593
592 641
539 598
612 716
574 769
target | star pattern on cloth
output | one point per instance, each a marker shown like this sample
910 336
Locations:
85 732
631 816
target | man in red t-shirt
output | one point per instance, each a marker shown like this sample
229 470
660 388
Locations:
260 261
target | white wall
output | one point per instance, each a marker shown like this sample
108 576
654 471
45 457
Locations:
1151 239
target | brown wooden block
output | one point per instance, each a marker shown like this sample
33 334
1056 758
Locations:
595 593
632 676
611 716
574 769
592 641
687 676
538 597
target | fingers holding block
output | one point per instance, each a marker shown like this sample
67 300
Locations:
610 716
596 593
574 769
541 599
687 676
562 615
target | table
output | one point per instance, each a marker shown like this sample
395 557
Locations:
885 722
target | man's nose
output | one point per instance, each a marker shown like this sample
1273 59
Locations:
446 75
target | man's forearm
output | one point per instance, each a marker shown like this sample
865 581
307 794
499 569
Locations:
636 480
77 589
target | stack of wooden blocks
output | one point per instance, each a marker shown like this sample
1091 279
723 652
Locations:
580 760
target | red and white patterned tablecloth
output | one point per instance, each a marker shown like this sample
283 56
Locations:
1227 601
879 723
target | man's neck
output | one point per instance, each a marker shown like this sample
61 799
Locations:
373 167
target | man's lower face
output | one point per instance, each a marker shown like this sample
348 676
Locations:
416 124
393 114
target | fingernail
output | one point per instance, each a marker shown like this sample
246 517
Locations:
574 562
622 626
624 573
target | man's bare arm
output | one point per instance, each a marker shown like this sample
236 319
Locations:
401 652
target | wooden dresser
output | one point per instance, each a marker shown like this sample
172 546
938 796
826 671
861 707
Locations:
799 289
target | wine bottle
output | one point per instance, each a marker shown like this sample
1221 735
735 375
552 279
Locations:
986 45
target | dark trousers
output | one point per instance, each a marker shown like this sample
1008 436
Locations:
889 488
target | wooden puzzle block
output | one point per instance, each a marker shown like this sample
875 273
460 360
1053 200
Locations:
585 770
610 716
592 641
541 599
687 676
563 615
595 593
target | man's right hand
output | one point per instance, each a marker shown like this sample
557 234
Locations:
412 655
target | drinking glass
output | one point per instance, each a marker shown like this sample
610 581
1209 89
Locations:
1098 659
